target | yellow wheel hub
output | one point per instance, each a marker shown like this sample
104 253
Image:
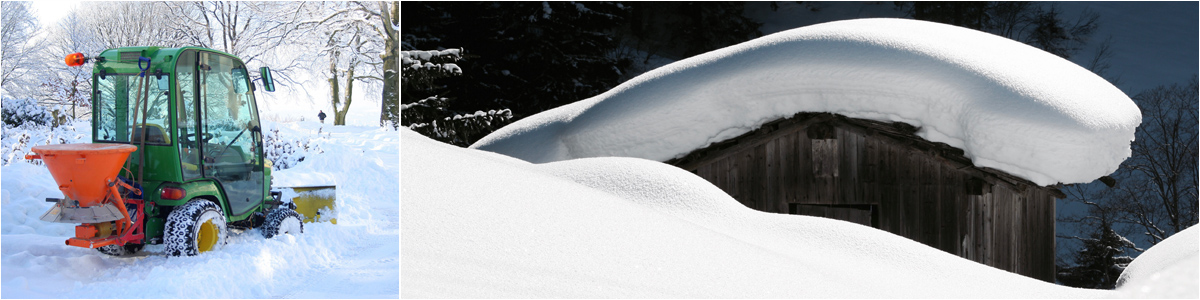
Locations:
206 237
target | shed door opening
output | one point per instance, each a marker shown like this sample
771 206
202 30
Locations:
865 214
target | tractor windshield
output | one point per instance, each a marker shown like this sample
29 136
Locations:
117 96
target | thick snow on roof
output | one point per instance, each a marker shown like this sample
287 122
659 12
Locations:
476 224
1009 106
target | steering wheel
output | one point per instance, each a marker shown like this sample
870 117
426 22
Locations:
205 136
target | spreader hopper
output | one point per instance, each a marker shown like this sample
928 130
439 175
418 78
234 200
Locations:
84 172
87 176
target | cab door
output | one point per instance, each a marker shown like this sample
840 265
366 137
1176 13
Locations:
226 141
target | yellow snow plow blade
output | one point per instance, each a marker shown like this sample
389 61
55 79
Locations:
315 203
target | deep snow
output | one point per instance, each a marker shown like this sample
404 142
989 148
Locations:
1169 269
1009 106
478 224
357 258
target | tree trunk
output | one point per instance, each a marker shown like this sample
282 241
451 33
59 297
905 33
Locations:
333 86
390 110
341 113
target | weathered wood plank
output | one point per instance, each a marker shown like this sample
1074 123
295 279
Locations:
930 215
887 198
742 170
807 169
911 170
962 205
850 180
948 211
787 160
758 178
1004 231
988 215
775 186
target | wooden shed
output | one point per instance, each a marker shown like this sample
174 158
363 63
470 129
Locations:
881 174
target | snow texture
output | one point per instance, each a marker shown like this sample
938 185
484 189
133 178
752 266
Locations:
1009 106
357 258
1167 270
481 225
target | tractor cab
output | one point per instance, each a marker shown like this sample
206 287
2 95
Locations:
195 117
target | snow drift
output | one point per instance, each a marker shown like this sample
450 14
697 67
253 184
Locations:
1167 270
477 224
357 258
1009 106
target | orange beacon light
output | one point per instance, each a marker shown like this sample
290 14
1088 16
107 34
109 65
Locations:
75 59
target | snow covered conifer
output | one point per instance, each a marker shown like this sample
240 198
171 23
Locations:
1100 262
526 56
430 115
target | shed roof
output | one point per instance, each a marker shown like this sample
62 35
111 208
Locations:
1009 106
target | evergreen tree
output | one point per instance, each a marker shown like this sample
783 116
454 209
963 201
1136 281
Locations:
969 14
527 56
426 113
1100 262
1026 22
533 56
678 30
684 29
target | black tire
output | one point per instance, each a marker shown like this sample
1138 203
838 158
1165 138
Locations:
119 250
280 221
195 227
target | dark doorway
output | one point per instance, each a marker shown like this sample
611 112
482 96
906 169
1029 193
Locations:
865 214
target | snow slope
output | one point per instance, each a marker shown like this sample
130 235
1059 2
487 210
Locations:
1009 106
477 224
357 258
1169 269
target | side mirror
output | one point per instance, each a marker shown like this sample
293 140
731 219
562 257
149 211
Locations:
268 83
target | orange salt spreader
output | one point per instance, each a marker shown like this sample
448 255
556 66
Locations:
87 176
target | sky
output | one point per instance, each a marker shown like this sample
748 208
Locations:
49 12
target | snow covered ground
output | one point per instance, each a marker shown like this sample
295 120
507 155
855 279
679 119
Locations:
357 258
479 224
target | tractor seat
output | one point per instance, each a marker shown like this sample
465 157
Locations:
155 134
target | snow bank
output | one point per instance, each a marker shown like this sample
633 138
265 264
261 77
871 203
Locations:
1009 106
357 258
1167 270
476 224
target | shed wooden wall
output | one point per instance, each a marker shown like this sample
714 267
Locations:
833 166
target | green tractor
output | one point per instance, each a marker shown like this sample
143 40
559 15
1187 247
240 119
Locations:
176 156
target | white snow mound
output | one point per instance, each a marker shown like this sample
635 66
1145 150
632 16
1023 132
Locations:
476 224
1167 270
1009 106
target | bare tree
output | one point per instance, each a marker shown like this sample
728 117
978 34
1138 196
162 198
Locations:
18 48
1100 62
256 32
1163 199
1154 194
128 24
353 46
390 110
65 86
